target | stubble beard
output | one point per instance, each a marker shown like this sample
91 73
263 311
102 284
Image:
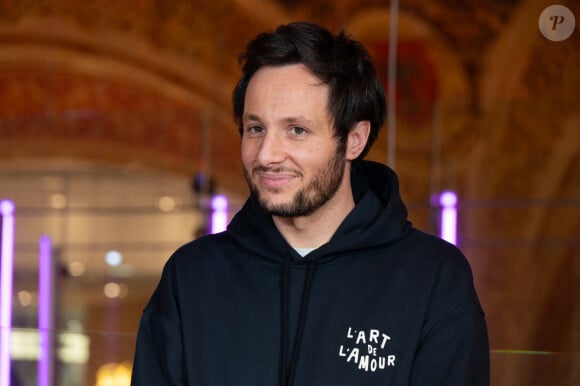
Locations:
309 198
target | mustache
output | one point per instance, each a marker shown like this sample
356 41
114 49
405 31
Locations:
276 169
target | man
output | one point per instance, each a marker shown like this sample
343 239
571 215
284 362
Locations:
320 278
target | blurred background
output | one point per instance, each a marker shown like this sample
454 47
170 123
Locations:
116 131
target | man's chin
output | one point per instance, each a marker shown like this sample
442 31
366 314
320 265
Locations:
273 207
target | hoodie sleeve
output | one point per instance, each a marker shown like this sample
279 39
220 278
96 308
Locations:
454 349
158 351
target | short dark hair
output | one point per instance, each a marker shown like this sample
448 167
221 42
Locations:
344 64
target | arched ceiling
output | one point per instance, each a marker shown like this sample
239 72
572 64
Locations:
149 82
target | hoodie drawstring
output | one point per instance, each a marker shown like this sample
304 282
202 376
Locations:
287 369
285 292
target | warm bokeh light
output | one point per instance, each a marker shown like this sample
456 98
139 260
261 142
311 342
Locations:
76 268
167 203
114 374
114 290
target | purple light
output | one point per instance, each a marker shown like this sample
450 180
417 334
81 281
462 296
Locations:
448 227
6 272
45 311
219 213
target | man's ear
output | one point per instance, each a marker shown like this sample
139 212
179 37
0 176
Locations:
357 139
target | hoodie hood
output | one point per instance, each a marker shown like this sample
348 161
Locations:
379 218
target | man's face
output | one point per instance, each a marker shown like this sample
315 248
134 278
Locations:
289 153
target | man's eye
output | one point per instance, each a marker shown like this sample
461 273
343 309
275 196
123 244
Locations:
297 130
255 129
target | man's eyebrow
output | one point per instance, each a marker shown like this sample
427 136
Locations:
296 119
250 117
290 119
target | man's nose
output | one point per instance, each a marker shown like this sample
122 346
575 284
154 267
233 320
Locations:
271 149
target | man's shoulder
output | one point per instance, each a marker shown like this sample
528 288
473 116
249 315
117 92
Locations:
207 246
431 246
434 256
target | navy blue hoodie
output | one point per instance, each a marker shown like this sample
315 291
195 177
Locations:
381 303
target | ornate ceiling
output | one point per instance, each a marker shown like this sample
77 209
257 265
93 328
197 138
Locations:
149 82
